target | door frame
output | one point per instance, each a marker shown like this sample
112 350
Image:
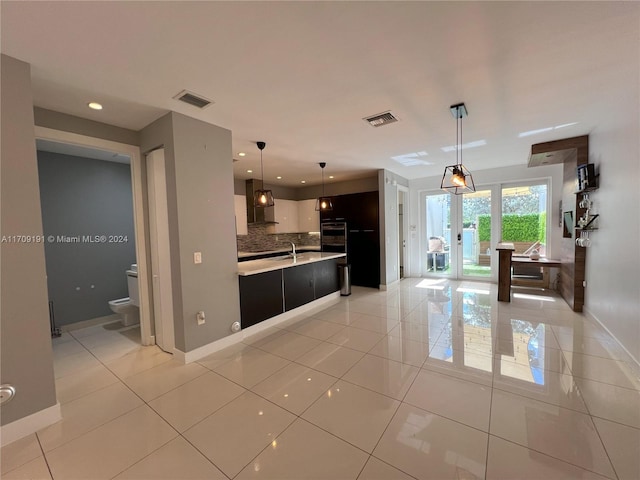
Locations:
140 227
403 253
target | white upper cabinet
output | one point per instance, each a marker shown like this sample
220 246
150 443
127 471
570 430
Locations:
240 208
308 218
285 212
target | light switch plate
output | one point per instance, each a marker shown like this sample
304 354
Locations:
197 257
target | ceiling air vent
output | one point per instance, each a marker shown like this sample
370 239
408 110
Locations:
193 99
381 119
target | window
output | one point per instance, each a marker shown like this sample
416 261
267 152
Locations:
524 217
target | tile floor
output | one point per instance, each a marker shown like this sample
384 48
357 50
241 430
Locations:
431 380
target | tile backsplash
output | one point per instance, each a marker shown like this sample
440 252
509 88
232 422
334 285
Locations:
259 240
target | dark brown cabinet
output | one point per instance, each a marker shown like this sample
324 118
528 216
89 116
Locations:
361 212
298 286
325 278
260 297
268 294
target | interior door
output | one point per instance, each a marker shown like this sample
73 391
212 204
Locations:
160 254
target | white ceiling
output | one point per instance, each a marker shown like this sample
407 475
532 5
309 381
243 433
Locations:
302 75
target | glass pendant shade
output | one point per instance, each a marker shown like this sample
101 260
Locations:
262 198
323 203
456 178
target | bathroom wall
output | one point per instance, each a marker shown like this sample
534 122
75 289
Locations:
83 198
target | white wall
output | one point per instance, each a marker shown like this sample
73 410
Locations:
483 178
613 260
388 219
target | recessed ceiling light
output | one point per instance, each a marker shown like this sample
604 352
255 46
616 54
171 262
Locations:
279 178
94 106
303 181
249 171
330 176
241 154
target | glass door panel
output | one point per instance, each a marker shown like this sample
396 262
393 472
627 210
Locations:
476 234
437 210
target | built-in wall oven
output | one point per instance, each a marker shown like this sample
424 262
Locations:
333 237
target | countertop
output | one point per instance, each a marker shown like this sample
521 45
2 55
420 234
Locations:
315 248
251 267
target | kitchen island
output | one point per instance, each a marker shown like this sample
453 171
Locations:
272 286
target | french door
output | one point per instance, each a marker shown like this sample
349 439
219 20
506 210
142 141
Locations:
458 234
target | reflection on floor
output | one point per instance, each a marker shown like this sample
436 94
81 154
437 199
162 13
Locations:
431 380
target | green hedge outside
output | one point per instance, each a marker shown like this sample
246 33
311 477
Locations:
516 228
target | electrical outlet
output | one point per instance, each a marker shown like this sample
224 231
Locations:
200 318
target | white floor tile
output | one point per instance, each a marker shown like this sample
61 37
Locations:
353 413
248 368
465 402
330 359
508 461
188 404
355 338
304 451
152 383
34 470
83 382
294 387
111 448
315 328
427 446
138 361
564 434
378 470
236 433
549 387
88 412
383 376
175 460
75 363
622 443
603 370
19 452
290 345
610 402
401 350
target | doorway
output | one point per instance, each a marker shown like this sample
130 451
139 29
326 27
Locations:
140 228
457 234
159 249
403 204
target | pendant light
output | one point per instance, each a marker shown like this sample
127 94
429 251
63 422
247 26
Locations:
323 204
262 197
456 178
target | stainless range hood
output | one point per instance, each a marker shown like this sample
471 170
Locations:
257 215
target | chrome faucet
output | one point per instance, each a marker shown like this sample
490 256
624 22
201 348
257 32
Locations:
293 250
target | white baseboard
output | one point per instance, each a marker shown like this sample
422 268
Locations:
22 427
201 352
590 314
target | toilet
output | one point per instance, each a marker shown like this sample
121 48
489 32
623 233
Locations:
128 307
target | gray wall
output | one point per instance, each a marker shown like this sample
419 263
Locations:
201 219
26 356
82 126
82 196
